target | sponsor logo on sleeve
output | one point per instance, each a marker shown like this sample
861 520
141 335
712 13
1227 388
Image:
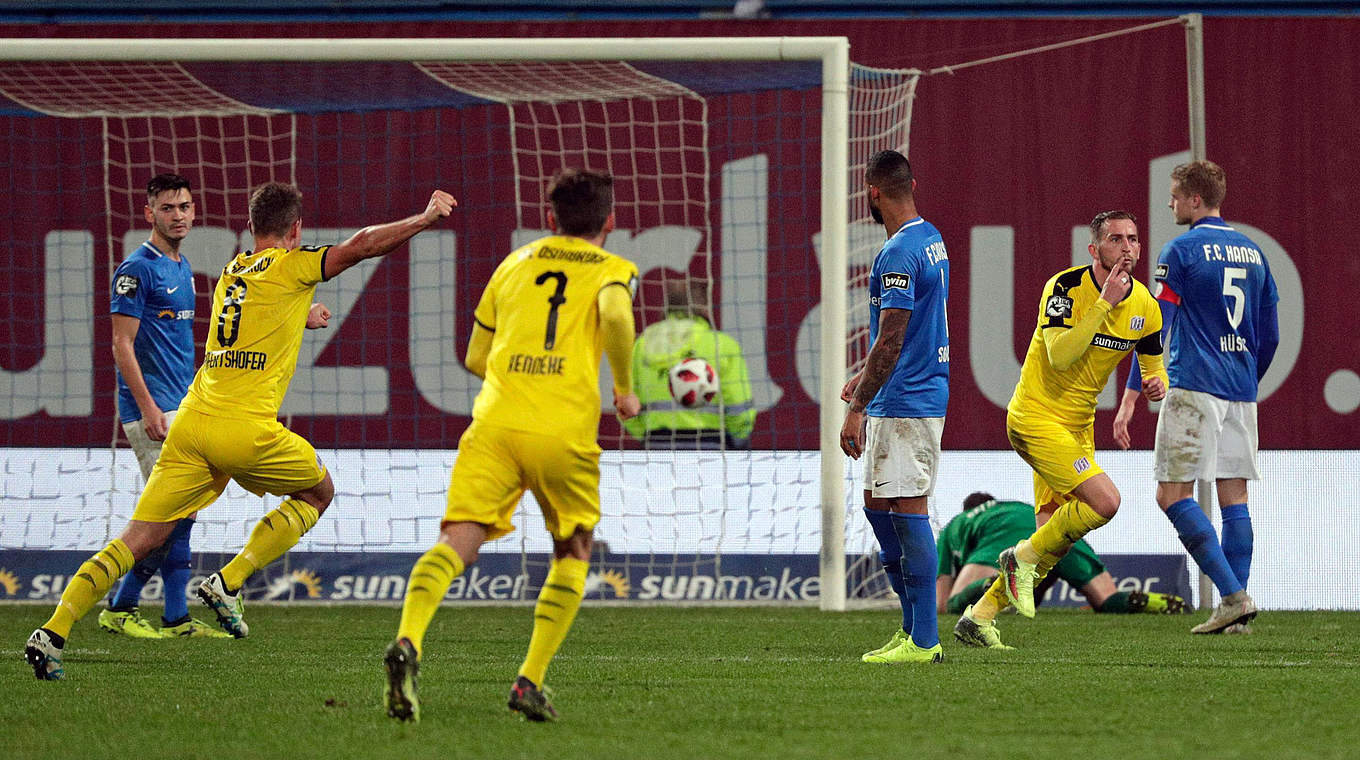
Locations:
899 280
1135 323
1161 272
1058 306
125 285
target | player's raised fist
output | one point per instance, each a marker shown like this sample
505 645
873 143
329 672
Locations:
318 316
441 205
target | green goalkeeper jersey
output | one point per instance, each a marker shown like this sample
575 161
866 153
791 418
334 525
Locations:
977 536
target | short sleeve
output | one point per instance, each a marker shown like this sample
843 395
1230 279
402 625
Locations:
897 279
306 265
131 283
1170 268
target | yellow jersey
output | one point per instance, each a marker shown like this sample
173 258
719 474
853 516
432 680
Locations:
259 310
1061 380
543 368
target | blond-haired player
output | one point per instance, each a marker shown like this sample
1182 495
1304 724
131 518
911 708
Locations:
1090 317
227 426
548 312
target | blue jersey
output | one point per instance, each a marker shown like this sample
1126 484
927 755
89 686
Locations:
1220 282
159 291
912 272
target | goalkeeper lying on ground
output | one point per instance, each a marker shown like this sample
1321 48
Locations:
968 548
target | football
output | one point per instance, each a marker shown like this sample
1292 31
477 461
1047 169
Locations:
693 383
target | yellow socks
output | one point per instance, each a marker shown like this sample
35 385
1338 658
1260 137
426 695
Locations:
430 579
274 534
992 602
1068 524
91 582
553 614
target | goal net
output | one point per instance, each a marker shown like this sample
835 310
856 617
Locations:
728 175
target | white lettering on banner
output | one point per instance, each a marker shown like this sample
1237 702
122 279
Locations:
765 588
341 390
474 585
45 586
62 382
369 587
863 242
436 368
745 269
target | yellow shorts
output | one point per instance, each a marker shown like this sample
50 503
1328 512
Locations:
201 453
1061 458
496 465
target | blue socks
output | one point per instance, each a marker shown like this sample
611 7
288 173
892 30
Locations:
1237 540
175 573
891 557
1198 536
919 562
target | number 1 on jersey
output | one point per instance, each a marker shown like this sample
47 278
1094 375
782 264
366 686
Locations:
554 301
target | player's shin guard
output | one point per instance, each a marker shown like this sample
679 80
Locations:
553 614
274 534
1051 541
919 562
430 579
891 557
1197 534
1237 540
175 573
90 583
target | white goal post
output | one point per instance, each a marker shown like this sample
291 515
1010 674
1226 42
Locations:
831 52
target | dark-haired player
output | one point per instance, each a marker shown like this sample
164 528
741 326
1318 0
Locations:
151 308
227 427
1090 318
903 391
551 308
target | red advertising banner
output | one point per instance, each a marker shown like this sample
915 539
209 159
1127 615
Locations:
1013 158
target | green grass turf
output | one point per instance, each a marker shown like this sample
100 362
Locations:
658 682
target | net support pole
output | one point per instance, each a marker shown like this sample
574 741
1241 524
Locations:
1194 72
835 220
1194 77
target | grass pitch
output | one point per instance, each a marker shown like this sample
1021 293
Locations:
658 682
